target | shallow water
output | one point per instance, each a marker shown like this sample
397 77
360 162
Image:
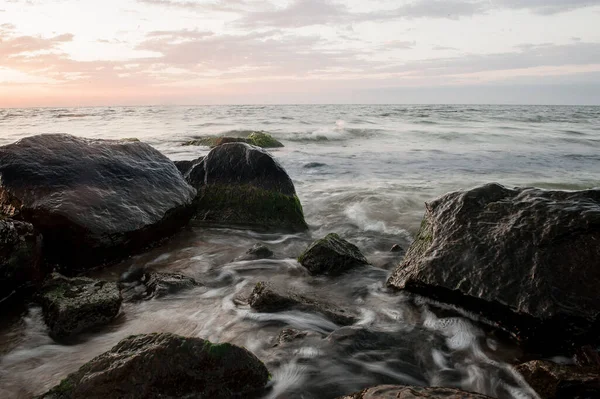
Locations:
381 163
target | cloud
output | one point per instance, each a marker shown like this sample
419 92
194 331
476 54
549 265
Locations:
12 45
546 7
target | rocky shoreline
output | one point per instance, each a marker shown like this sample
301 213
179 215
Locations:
527 261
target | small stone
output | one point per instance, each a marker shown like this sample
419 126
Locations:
396 248
258 251
332 255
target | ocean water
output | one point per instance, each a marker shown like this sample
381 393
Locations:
363 171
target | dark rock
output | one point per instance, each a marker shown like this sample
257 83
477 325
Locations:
140 284
396 248
94 201
244 186
332 255
551 380
587 356
527 259
259 139
290 335
20 257
166 366
185 167
407 392
312 165
267 297
74 305
258 251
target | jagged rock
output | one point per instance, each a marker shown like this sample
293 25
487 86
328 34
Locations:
94 201
20 257
166 366
551 380
527 259
243 186
407 392
332 255
74 305
258 251
267 297
140 284
259 139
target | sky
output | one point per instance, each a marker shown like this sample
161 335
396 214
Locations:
148 52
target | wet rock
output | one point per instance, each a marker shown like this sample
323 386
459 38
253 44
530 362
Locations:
551 380
185 167
140 284
166 366
290 335
396 248
332 255
267 297
94 201
525 258
408 392
259 139
258 251
74 305
20 257
312 165
243 186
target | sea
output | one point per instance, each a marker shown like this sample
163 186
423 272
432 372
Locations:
362 171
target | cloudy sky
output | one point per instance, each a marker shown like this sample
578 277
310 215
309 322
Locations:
110 52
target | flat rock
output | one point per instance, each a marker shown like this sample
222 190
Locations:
332 255
259 139
244 186
551 380
141 284
267 297
526 259
166 366
407 392
75 305
94 201
20 257
258 251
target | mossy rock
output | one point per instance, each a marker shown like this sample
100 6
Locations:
263 140
166 365
332 255
131 139
259 139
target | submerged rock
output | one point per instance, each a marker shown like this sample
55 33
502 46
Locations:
527 259
93 200
259 139
140 284
258 251
332 255
74 305
267 297
166 366
243 186
551 380
407 392
20 257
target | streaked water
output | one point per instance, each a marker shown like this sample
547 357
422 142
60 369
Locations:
381 163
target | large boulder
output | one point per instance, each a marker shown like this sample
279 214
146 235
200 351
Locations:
244 186
20 257
75 305
408 392
166 366
528 259
93 200
332 255
551 380
268 297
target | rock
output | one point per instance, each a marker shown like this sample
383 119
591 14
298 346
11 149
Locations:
259 139
243 186
258 251
332 255
312 165
551 380
94 201
140 284
290 335
267 297
166 366
74 305
185 167
527 259
20 257
396 248
407 392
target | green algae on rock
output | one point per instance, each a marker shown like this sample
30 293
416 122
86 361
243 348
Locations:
166 365
244 186
259 139
332 255
75 305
